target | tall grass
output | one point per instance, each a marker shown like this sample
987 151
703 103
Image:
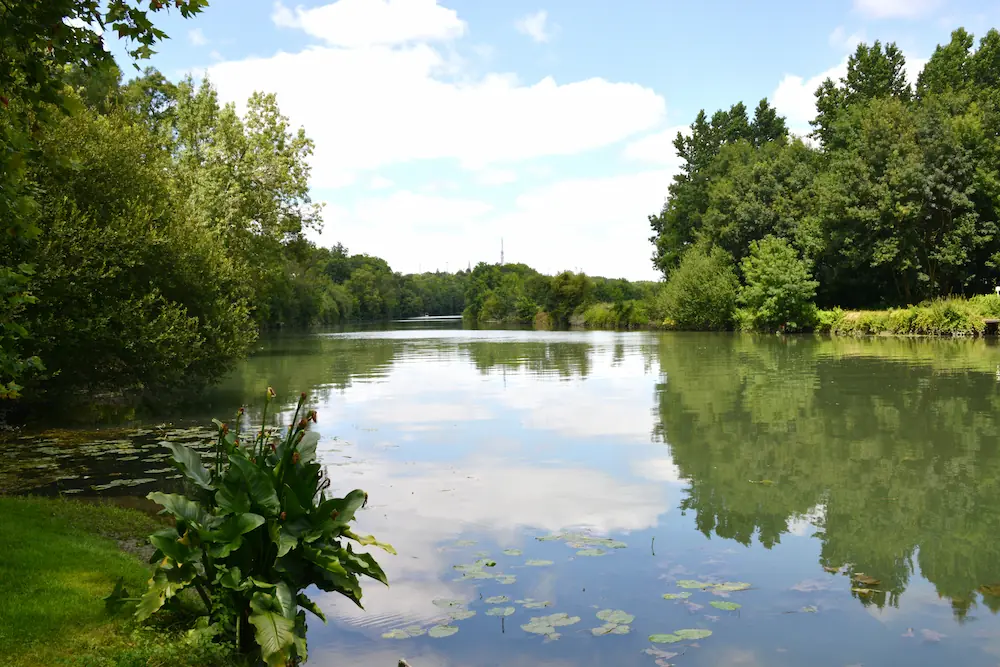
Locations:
942 317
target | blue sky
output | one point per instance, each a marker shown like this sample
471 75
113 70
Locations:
443 125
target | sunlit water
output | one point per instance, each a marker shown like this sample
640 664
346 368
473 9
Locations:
714 458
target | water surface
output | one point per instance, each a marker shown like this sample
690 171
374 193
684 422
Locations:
792 465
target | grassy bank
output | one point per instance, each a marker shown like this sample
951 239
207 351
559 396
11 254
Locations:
60 559
943 317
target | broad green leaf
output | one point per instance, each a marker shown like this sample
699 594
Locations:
395 634
497 599
191 464
676 596
307 448
538 563
233 579
621 630
500 611
505 579
534 604
167 541
603 630
182 508
283 593
725 606
461 614
512 552
311 606
285 541
591 552
362 563
337 513
258 484
731 586
232 501
166 582
691 583
275 634
439 631
368 540
665 639
693 634
559 619
291 505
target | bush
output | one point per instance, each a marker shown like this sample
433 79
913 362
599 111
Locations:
779 290
258 532
701 292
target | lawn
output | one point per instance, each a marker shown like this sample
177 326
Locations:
59 559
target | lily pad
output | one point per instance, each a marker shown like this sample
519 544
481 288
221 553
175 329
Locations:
665 639
693 634
461 614
809 610
497 599
445 603
534 604
591 552
615 616
506 578
404 633
512 552
691 583
538 563
676 596
621 630
603 630
439 631
558 620
731 586
725 606
500 611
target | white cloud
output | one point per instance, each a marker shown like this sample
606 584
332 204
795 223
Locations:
795 96
197 37
496 177
399 110
657 148
215 55
886 9
597 224
380 183
359 23
534 26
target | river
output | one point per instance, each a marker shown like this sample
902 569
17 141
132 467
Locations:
837 500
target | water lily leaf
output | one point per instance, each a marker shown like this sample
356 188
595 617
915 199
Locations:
557 620
506 578
621 630
445 602
691 583
461 614
676 596
693 634
497 599
865 580
603 630
512 552
726 606
615 616
538 563
534 604
659 653
439 631
809 609
665 639
500 611
731 586
591 552
395 634
550 538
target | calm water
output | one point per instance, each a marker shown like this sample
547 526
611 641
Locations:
714 458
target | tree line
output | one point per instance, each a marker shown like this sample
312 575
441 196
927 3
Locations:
893 198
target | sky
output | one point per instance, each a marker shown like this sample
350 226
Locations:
445 126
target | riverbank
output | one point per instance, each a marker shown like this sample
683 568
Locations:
60 559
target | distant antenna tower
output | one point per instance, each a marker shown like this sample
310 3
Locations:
501 251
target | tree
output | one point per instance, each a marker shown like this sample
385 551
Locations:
701 293
779 290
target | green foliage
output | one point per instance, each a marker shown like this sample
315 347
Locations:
701 292
940 317
258 531
897 204
779 290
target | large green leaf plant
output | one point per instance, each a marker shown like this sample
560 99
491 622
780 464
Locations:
257 532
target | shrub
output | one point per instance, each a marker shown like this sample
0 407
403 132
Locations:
259 531
779 290
701 292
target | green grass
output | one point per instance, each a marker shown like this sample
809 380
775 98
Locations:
942 317
59 559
